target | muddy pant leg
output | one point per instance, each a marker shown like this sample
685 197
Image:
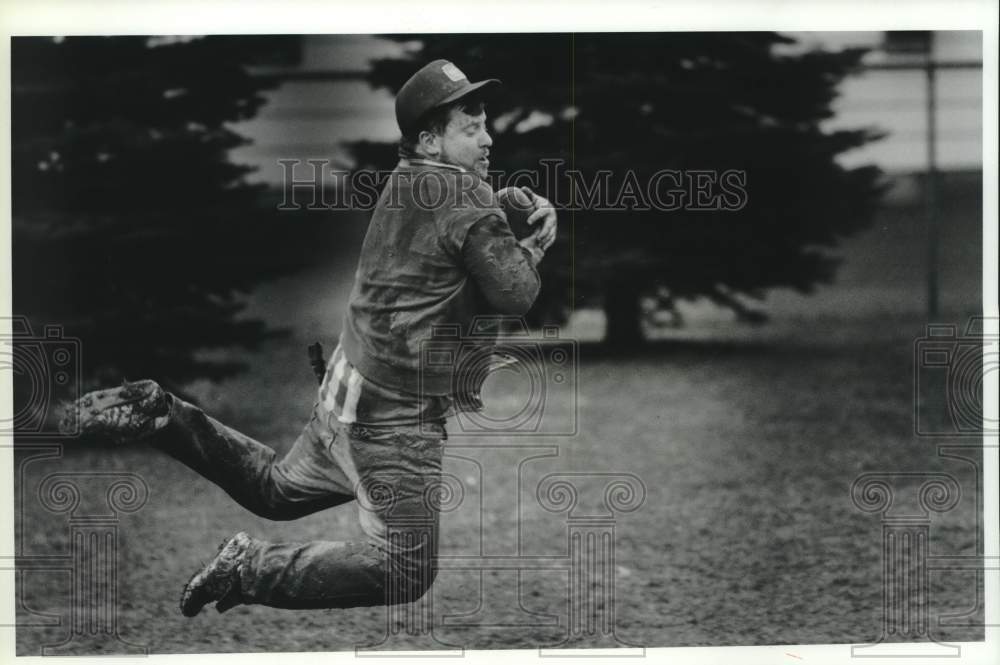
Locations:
396 474
304 481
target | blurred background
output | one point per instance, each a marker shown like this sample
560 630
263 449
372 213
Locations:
747 364
147 177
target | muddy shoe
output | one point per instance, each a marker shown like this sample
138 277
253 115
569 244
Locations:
122 414
219 580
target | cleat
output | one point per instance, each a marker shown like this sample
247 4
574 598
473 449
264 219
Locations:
131 413
219 581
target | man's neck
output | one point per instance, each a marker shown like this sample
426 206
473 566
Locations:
416 157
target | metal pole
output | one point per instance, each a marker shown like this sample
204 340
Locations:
931 191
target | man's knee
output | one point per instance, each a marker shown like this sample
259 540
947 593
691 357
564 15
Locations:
411 585
410 574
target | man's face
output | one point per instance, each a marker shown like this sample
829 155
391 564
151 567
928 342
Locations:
466 142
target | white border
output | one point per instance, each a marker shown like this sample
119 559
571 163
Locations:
25 17
45 17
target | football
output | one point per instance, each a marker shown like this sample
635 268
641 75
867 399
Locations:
518 207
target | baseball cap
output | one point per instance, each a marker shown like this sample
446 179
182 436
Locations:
437 83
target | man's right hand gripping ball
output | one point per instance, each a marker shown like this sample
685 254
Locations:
521 206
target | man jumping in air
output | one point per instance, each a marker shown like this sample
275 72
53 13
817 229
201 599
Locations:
438 252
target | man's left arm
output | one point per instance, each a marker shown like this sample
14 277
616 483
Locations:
502 267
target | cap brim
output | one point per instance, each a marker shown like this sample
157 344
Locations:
487 86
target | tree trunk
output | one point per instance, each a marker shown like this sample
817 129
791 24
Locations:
621 309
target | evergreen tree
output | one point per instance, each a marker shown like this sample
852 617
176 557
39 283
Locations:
131 227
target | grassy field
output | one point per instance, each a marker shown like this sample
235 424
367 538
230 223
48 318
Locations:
748 535
746 442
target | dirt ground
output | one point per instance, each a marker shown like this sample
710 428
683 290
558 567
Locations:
747 534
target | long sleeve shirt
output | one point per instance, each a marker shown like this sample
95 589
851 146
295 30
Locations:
503 270
438 253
